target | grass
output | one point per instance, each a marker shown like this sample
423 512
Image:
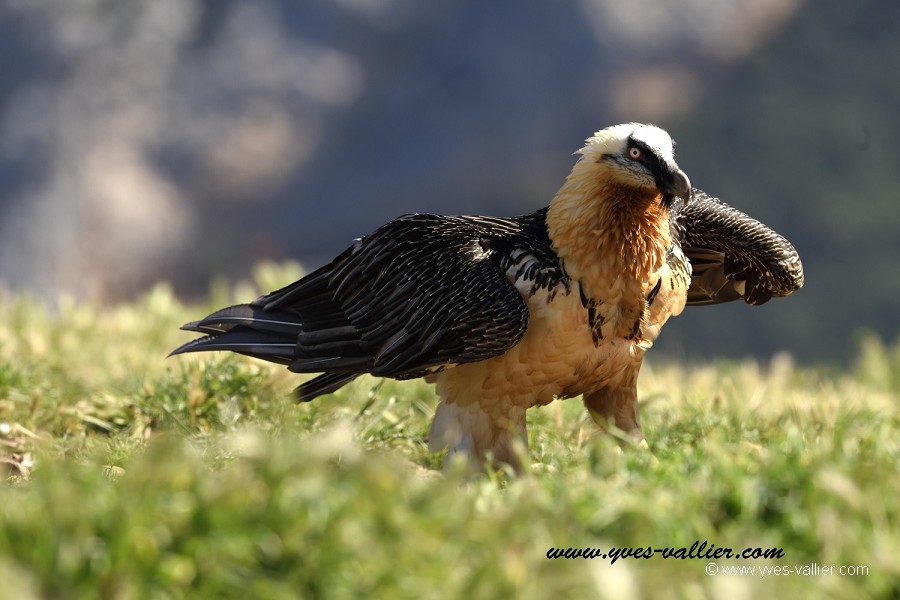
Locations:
132 476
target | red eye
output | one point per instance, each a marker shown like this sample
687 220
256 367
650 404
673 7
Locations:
634 153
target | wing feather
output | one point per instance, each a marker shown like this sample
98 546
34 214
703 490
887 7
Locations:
421 293
734 256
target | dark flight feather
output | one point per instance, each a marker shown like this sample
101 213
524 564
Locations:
732 255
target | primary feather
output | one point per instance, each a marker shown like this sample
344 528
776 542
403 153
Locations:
503 314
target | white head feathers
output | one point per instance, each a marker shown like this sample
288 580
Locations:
613 139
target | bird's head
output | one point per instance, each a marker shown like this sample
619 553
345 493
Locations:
636 156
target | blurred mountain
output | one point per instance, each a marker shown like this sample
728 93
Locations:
802 135
182 139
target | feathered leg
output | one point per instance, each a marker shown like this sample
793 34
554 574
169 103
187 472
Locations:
479 436
616 407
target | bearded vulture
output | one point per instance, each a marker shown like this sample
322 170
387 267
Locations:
503 314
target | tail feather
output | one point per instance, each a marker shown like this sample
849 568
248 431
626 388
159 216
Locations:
246 330
274 322
323 384
280 336
246 342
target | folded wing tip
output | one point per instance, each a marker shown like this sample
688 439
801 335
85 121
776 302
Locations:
191 346
192 326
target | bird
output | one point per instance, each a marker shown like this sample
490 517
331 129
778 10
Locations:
503 314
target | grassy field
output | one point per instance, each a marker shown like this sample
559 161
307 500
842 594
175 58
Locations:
131 476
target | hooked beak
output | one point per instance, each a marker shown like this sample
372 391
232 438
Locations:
678 184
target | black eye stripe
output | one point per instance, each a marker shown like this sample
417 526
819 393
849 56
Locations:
648 156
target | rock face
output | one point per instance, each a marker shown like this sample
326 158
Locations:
140 142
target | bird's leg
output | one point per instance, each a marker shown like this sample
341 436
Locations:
617 407
479 435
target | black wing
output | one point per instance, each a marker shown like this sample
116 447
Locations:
421 293
733 255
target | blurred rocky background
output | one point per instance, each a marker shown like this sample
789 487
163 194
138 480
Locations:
185 139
